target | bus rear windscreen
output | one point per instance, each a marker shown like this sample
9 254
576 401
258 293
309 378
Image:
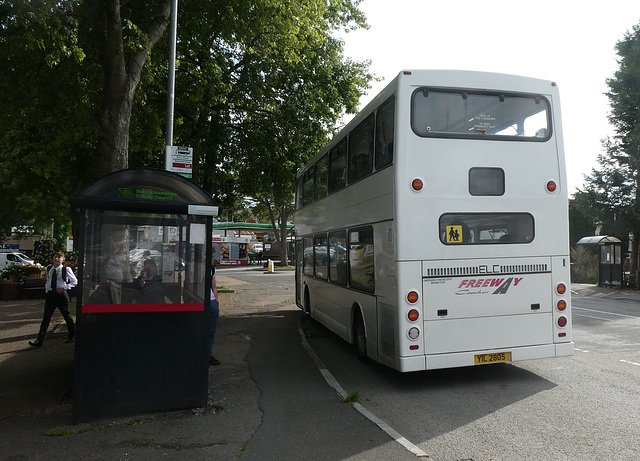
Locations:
451 113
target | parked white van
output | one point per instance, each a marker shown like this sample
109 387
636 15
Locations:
12 259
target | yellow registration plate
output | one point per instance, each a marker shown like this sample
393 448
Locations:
492 358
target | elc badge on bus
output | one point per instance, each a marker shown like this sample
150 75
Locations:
454 234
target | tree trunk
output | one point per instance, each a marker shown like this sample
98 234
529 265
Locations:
284 247
122 71
279 226
114 119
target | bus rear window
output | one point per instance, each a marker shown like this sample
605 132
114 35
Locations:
486 228
449 113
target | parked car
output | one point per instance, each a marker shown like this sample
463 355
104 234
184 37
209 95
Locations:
12 259
138 257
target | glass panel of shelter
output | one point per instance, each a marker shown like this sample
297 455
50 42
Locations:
133 258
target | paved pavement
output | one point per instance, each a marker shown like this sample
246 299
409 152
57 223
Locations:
586 290
266 399
35 395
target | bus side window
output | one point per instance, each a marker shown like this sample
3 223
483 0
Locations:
338 167
338 257
321 178
384 133
307 187
361 260
307 252
299 184
320 256
361 150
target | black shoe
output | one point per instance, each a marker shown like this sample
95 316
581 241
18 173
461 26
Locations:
71 339
214 361
36 343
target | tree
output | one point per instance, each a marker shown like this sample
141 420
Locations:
624 150
607 198
45 140
121 36
259 85
69 63
259 95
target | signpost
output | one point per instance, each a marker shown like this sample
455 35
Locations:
179 160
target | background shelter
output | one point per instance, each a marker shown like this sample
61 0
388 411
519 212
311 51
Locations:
611 259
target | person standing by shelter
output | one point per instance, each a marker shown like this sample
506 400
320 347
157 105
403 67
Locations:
60 279
214 309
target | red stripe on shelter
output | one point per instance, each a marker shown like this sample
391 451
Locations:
124 308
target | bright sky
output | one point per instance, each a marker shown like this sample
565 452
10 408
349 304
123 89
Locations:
569 42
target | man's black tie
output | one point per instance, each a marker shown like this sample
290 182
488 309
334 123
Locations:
54 276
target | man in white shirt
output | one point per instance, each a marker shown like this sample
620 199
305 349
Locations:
60 279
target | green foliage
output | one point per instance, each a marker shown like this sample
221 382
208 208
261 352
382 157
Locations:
19 272
624 98
265 97
45 129
584 265
582 223
260 86
607 201
610 198
71 260
43 250
353 397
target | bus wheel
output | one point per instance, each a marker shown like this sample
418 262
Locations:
360 338
306 309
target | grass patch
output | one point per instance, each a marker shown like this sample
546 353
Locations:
353 397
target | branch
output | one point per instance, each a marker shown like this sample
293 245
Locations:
154 33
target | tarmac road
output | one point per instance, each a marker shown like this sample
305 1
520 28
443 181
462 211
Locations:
266 401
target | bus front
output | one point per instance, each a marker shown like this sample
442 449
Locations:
481 221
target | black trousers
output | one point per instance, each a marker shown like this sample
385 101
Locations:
52 301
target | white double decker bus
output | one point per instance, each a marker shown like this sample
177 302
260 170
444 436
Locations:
432 231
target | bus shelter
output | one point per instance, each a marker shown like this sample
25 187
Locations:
144 243
611 258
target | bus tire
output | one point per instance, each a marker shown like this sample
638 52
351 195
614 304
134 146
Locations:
360 337
306 309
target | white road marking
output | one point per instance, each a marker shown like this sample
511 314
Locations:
333 382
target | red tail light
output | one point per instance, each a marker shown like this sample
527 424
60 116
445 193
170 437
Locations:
562 321
412 297
552 186
413 315
417 184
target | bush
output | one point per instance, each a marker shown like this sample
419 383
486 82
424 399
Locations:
19 272
43 250
584 265
71 260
